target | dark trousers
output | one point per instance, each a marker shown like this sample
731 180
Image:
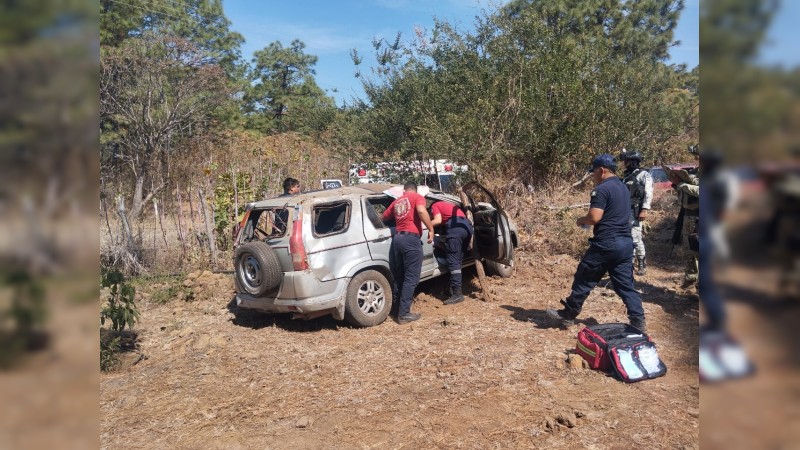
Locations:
615 257
407 267
458 234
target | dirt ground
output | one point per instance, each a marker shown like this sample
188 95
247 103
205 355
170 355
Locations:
472 375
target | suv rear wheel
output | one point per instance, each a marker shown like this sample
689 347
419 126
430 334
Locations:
258 270
369 299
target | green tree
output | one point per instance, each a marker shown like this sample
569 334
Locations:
155 91
48 117
746 104
536 89
202 22
284 95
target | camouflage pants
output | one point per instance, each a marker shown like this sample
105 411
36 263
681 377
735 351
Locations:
637 233
691 270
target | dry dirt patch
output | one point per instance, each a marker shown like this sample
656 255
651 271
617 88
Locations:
472 375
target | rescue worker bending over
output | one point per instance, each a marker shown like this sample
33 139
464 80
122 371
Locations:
408 212
459 232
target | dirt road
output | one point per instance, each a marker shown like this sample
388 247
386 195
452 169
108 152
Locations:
473 375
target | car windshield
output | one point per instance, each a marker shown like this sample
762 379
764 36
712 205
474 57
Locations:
659 176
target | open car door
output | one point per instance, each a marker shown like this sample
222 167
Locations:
492 230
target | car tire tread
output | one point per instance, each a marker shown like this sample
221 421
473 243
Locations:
272 275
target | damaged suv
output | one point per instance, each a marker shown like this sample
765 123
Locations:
327 252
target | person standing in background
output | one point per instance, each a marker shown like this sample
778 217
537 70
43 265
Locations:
640 185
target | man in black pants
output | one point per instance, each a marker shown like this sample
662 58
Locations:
459 232
611 248
408 212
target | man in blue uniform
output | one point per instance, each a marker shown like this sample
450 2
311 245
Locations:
611 248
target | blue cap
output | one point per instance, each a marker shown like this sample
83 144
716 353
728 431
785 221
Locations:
604 160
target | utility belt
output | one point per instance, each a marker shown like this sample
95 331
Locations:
408 232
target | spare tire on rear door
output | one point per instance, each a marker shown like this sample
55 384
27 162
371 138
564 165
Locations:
258 270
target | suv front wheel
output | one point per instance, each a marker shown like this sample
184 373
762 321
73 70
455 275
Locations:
369 299
501 270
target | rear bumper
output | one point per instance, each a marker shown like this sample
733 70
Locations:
303 294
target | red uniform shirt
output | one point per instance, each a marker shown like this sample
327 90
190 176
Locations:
447 210
404 211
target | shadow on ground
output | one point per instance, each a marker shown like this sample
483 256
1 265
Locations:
540 318
257 320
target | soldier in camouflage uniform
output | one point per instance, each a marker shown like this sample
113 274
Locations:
687 187
640 185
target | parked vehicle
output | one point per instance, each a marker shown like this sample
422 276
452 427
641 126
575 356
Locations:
438 174
327 252
331 184
661 180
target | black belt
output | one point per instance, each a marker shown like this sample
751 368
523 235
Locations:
408 232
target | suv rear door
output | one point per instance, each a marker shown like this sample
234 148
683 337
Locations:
377 234
492 230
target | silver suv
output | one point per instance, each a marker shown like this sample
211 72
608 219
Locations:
327 252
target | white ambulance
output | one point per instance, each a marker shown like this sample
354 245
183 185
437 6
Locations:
435 173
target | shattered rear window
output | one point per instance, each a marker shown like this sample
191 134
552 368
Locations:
331 218
269 223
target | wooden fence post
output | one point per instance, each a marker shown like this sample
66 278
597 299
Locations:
212 244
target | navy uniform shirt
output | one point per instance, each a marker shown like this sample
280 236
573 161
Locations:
614 198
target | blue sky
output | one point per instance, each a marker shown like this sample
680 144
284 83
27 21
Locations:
781 46
331 28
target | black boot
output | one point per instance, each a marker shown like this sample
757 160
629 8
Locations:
566 315
642 269
410 317
638 323
455 297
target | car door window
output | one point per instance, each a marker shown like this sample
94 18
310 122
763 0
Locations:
375 208
331 218
492 234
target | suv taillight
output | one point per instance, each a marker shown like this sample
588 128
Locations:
296 247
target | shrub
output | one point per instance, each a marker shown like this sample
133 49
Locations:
109 352
121 308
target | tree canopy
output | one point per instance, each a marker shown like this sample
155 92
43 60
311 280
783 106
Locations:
538 86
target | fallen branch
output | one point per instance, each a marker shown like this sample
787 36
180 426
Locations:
579 205
582 180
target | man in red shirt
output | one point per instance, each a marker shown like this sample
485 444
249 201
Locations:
457 239
408 212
